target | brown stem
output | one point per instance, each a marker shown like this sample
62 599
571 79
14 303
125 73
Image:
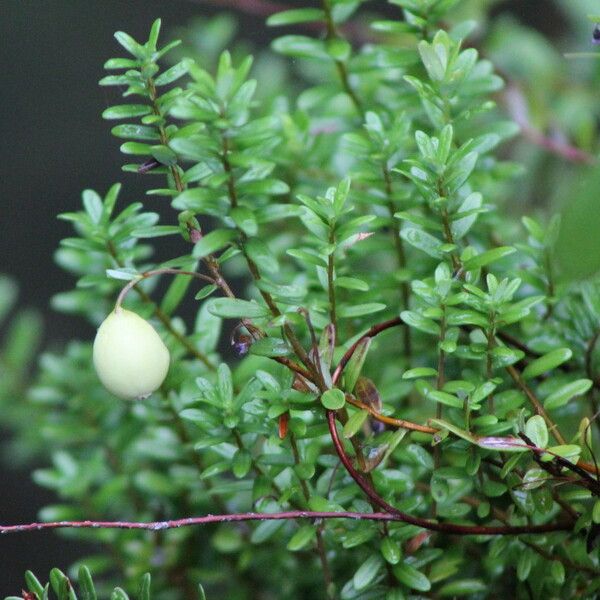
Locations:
372 332
340 65
450 528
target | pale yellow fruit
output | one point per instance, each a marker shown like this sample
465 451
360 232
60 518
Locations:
130 358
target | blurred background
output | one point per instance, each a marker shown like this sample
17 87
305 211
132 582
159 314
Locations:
54 144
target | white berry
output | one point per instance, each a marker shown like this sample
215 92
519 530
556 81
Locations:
130 358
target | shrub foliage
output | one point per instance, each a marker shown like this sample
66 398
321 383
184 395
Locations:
398 344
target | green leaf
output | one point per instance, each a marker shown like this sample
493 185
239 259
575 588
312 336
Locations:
302 538
265 531
164 155
351 283
154 231
355 364
339 49
242 462
176 291
596 512
174 73
411 578
536 431
561 396
213 241
124 274
294 16
301 46
144 589
463 587
549 361
354 423
310 257
391 550
333 399
130 45
270 346
465 435
419 372
367 572
259 252
485 258
244 219
445 398
87 588
359 310
126 111
34 585
570 452
418 321
422 241
93 205
232 308
119 594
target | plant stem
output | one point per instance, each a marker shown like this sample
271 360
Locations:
254 271
441 379
152 273
331 282
450 528
163 317
400 254
339 64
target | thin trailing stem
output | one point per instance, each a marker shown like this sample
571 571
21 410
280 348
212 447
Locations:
379 328
400 423
441 379
196 521
371 332
339 64
450 528
253 268
164 318
153 273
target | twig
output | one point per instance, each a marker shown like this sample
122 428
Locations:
154 272
401 423
192 521
450 528
372 332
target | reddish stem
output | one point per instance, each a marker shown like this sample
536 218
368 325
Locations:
372 332
450 528
191 521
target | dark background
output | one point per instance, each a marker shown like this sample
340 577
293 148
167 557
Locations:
53 144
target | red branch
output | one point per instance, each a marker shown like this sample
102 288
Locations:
376 329
191 521
450 528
